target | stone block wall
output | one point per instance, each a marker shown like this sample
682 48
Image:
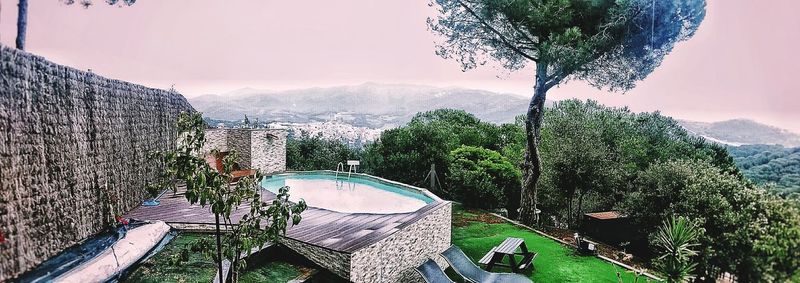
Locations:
394 258
216 139
391 259
262 149
239 141
336 262
73 152
268 150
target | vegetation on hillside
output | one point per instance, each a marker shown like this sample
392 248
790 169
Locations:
594 154
406 153
772 165
601 158
605 43
483 178
306 152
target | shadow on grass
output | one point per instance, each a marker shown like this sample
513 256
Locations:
477 232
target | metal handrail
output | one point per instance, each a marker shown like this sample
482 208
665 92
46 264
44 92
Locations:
340 165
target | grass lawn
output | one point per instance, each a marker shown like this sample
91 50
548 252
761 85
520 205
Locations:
476 232
201 269
273 271
158 269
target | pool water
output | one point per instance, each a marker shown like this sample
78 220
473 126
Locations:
349 195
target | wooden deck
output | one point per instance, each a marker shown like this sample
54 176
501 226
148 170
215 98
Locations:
342 232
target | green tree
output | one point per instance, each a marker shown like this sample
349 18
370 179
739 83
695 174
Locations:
606 43
594 153
483 178
676 241
746 231
261 223
405 154
306 152
583 163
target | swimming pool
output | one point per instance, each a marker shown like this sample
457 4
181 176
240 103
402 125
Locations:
360 193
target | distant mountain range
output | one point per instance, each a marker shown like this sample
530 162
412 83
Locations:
738 132
379 106
367 105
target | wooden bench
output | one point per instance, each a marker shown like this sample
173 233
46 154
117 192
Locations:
508 248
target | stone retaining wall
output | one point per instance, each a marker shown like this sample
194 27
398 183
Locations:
73 152
262 149
391 259
216 139
336 262
394 258
268 150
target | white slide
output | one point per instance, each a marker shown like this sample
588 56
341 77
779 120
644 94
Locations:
135 245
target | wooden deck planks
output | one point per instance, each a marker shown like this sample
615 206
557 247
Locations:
343 232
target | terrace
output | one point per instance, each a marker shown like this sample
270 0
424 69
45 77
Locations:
354 246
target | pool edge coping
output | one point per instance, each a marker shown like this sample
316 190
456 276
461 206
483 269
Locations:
423 191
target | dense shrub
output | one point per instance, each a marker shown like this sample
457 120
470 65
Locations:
483 178
771 165
746 231
591 155
306 152
406 153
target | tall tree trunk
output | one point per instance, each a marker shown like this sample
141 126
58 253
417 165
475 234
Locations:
219 249
22 23
579 213
533 163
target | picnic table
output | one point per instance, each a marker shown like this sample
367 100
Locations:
509 248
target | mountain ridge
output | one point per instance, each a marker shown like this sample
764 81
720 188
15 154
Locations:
381 106
740 131
369 105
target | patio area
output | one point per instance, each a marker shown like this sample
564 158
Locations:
355 246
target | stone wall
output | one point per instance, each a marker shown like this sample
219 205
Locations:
394 258
262 149
391 259
239 141
268 151
216 139
73 152
336 262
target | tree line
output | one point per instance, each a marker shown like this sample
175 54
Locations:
772 165
595 158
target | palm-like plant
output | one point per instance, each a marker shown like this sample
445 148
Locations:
676 240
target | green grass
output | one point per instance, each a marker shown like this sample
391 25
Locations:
273 271
476 233
201 269
158 269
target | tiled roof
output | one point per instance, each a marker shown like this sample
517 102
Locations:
605 215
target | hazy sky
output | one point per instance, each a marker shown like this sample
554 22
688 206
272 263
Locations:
743 61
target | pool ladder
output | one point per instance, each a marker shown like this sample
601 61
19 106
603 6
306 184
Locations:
340 184
341 165
350 170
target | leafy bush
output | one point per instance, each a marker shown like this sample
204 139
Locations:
676 240
315 153
483 178
591 155
746 231
405 154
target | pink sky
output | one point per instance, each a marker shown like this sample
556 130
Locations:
742 63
